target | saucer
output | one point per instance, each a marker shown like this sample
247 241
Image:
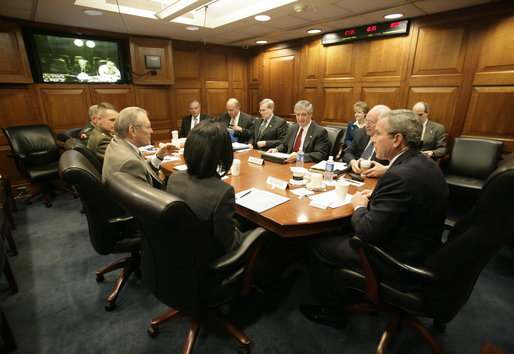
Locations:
316 189
295 182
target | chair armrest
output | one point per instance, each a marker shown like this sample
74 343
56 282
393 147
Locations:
120 219
237 255
407 269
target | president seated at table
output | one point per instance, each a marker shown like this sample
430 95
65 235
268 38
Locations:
305 135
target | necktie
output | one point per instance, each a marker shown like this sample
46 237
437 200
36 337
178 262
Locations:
196 122
368 151
298 141
232 122
261 129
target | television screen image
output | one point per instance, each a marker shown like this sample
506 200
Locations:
78 60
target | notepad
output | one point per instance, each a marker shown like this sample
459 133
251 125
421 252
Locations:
259 200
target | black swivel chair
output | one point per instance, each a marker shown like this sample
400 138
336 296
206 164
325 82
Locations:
75 144
333 132
5 329
178 258
70 133
444 282
36 155
110 229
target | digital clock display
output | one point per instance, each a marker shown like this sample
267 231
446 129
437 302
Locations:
370 31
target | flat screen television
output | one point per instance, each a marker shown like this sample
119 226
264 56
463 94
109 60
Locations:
68 58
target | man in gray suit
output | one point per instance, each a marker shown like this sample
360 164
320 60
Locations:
241 123
133 130
270 130
434 134
306 135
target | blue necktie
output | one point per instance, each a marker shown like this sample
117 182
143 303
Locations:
368 151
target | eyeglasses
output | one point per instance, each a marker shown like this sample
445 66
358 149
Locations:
370 122
149 126
263 110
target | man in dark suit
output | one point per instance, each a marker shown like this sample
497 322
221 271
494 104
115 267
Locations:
269 130
306 135
192 120
133 130
362 147
434 134
403 215
241 123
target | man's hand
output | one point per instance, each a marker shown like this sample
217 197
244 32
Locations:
250 146
166 150
428 153
376 171
261 143
237 127
359 199
271 151
355 166
291 157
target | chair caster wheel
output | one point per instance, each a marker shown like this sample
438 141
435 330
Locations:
99 278
245 349
28 202
48 205
111 305
153 332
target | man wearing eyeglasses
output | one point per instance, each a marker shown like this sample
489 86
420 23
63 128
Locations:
433 135
133 130
362 147
270 130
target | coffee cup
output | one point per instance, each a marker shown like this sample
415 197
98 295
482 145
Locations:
174 134
342 189
316 179
365 165
236 167
298 173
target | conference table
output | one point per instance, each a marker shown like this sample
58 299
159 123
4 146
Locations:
294 217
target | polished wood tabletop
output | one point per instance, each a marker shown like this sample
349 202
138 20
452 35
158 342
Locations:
294 217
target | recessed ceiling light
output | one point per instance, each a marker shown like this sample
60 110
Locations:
314 31
393 16
262 18
261 42
192 28
92 12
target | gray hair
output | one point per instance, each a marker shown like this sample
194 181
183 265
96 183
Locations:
93 111
234 102
268 102
193 101
406 123
128 117
305 105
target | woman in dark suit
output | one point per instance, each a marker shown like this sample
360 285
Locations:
361 109
208 150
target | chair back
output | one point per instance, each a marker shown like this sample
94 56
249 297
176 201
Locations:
34 144
76 144
461 259
76 170
473 157
176 248
70 133
333 132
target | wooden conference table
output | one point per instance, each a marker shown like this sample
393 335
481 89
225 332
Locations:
294 217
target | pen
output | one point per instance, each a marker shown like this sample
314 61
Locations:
244 195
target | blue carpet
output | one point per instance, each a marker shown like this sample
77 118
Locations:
60 306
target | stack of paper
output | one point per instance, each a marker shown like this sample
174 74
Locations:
328 199
259 200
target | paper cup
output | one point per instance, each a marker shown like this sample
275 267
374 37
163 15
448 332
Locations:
236 167
316 179
174 134
342 189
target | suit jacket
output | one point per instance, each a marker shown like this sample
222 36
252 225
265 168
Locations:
186 124
246 122
273 135
435 139
359 143
406 211
213 202
85 133
98 142
351 128
121 156
315 145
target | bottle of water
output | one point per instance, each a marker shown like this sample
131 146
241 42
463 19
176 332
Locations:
299 158
329 169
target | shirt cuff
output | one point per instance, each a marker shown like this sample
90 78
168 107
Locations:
156 162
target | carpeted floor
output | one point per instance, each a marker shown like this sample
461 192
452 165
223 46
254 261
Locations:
60 306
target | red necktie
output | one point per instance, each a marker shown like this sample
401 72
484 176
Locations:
298 141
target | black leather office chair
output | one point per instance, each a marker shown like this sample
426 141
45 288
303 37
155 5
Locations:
179 262
5 231
36 155
471 161
444 282
337 146
5 329
75 144
110 229
333 132
70 133
6 196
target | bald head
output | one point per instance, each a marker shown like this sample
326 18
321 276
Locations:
373 116
421 110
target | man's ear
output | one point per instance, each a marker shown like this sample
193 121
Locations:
398 138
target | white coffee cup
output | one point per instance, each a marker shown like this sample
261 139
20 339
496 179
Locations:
316 179
298 173
176 142
341 189
174 134
365 165
236 167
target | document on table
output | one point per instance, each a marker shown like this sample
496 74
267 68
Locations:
259 200
328 199
239 146
320 166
